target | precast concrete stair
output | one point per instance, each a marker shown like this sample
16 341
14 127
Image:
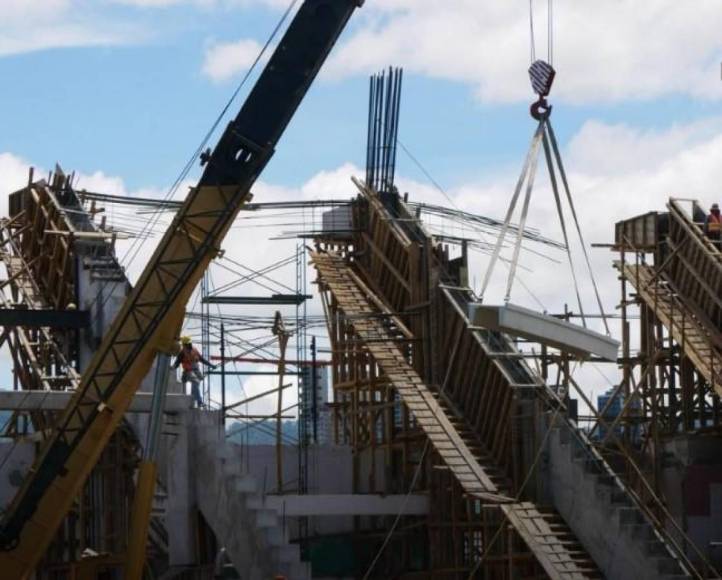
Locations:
255 536
603 514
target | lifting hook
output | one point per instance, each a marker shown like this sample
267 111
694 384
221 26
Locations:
540 109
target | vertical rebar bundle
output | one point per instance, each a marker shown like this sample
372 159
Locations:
383 129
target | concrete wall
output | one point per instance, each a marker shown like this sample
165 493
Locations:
692 484
103 299
175 466
330 472
330 469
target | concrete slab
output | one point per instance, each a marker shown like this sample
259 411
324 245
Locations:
348 505
545 329
58 400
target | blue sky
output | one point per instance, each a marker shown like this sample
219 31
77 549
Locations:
123 90
135 106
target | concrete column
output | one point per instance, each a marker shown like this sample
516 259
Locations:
179 515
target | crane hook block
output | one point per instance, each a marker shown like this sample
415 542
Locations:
542 76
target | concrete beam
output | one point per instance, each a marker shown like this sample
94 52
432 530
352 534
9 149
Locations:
544 329
58 400
348 505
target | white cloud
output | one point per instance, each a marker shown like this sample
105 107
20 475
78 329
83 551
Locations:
17 10
150 3
203 3
226 60
605 52
601 148
332 184
32 26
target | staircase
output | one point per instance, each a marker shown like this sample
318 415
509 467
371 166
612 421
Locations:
595 517
254 536
682 320
601 512
546 535
694 263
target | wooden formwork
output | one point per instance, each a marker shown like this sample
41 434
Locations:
43 236
695 264
671 279
447 405
40 262
680 330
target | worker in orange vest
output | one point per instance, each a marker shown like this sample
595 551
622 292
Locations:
713 225
190 360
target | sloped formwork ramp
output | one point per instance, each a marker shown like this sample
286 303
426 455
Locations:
551 544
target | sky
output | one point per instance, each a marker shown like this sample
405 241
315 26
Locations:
122 92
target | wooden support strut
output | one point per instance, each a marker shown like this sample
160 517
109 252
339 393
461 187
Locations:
685 328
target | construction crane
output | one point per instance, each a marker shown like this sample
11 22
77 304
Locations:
149 321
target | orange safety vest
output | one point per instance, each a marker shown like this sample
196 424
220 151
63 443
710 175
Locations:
190 360
714 224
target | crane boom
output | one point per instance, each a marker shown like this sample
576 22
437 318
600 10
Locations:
152 314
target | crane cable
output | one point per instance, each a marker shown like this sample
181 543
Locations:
135 247
545 134
532 53
567 191
443 192
550 32
527 172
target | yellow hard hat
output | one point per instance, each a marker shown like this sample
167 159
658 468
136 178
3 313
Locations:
186 340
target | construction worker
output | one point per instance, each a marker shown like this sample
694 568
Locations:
713 225
190 360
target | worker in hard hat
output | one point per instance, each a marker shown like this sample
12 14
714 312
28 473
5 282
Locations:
190 360
713 225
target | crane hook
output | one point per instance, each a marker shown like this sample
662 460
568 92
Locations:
540 109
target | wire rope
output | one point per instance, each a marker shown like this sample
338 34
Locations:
135 248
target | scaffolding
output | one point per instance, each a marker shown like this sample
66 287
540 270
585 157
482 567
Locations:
47 240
